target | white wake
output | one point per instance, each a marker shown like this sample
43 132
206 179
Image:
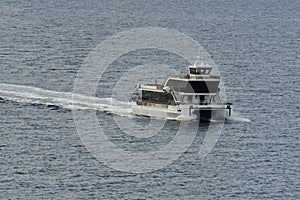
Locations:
27 94
237 119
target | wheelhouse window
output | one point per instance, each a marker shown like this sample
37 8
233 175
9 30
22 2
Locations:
200 70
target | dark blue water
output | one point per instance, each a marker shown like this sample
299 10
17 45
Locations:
255 45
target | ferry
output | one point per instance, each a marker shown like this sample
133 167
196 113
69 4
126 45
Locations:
191 96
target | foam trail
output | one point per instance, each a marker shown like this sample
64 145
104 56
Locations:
237 119
35 95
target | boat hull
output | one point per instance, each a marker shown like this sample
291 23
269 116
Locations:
202 113
156 111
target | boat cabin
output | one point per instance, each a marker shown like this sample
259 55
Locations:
153 93
198 87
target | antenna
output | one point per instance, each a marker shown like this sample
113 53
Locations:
195 64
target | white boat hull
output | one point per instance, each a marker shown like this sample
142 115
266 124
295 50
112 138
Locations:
213 113
156 111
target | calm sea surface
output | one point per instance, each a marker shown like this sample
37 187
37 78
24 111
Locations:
255 45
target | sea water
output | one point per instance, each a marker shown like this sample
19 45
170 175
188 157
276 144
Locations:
255 45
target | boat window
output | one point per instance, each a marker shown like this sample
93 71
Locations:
193 86
193 71
157 97
202 98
